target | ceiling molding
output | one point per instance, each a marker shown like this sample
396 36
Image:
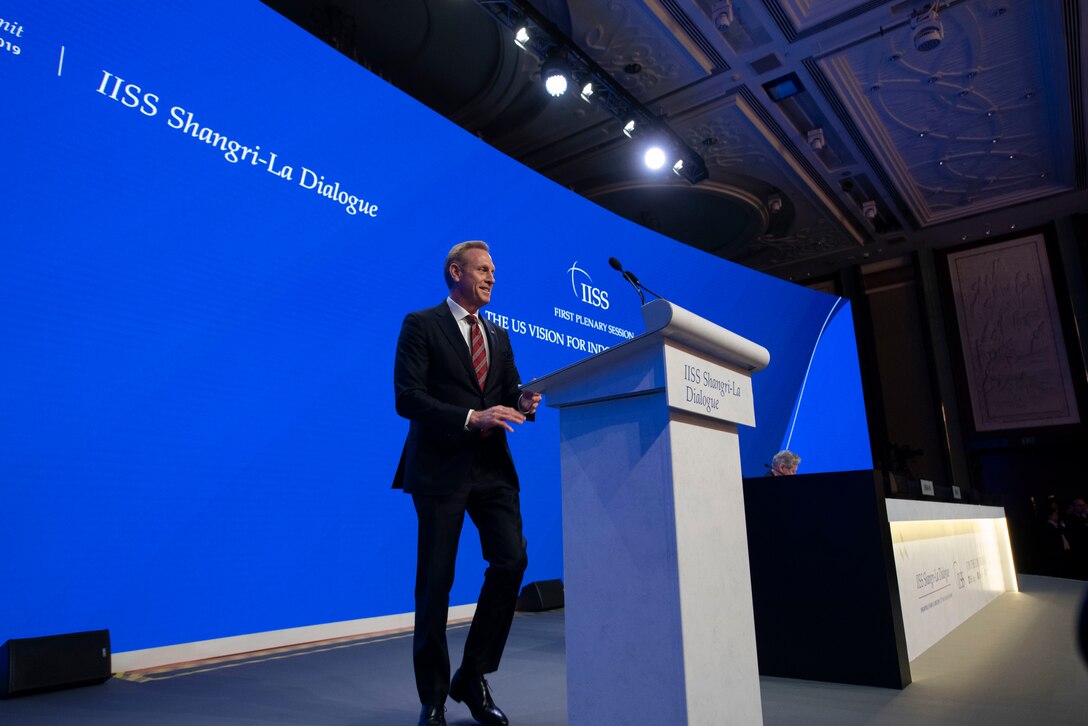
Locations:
701 49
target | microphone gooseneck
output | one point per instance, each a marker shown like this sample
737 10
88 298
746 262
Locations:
628 276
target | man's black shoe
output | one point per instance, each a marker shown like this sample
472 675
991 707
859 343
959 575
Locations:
477 696
432 716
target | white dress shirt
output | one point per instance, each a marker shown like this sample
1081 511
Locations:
459 314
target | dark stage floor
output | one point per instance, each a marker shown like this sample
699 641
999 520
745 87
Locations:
1013 663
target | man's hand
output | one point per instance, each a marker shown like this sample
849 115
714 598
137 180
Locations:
496 416
528 402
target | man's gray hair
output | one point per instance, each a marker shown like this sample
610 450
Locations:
785 459
457 254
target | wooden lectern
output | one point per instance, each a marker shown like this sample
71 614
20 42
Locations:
659 626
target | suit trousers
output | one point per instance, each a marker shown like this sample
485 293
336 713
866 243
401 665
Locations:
494 506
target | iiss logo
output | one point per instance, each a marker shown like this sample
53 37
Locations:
582 286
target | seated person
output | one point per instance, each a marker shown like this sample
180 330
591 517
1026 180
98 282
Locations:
784 463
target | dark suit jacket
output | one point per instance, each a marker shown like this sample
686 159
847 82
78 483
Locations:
435 386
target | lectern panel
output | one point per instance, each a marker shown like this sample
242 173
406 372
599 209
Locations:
698 384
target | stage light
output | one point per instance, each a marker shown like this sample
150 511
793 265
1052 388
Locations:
521 37
555 73
868 208
654 157
691 168
774 203
534 33
816 140
556 84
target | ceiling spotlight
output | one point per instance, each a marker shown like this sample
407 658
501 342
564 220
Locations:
869 209
629 128
587 92
816 140
521 37
654 157
774 203
555 73
926 27
555 84
678 167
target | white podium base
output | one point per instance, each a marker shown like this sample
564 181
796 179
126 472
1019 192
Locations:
659 623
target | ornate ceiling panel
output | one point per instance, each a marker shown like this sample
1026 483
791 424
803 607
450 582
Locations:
627 40
975 124
804 15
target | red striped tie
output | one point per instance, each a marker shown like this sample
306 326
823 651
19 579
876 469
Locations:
479 354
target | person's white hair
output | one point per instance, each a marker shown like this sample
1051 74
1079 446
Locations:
785 459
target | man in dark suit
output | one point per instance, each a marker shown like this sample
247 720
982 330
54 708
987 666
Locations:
456 381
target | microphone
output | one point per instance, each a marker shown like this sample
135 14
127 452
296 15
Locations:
630 277
619 268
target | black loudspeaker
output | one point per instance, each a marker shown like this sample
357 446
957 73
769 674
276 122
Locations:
33 665
541 595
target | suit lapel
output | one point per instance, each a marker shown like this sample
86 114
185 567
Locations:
493 348
456 340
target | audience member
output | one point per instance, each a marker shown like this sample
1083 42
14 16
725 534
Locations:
1054 547
784 463
1076 531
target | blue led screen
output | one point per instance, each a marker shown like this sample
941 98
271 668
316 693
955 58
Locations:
212 225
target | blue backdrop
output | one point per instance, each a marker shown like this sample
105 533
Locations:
212 226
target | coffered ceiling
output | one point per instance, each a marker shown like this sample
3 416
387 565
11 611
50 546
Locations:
886 147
